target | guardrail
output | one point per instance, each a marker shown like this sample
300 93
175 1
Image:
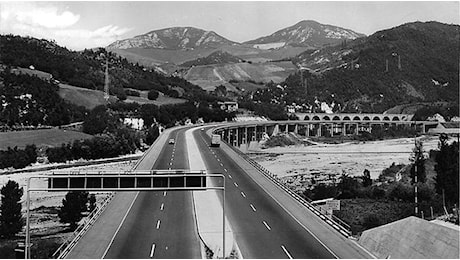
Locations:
333 221
81 230
68 245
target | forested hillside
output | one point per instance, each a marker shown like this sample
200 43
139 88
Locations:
86 69
27 100
415 62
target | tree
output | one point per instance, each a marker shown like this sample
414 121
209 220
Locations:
92 202
152 135
11 221
367 181
371 220
418 159
73 205
152 95
348 187
447 169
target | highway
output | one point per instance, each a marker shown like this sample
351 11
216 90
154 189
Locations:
163 225
261 227
160 224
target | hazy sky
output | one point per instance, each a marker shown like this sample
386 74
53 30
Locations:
78 25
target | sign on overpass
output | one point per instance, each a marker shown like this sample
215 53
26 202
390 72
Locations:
131 180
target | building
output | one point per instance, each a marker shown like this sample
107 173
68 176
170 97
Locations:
229 106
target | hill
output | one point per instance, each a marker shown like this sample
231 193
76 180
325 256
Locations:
414 62
306 33
217 57
173 38
210 76
86 69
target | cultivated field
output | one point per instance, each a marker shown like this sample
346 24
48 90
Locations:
211 76
43 137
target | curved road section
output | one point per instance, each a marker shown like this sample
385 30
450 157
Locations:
266 222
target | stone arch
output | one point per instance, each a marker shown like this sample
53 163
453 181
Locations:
357 118
395 118
326 118
346 118
376 118
316 118
366 118
336 118
306 118
386 118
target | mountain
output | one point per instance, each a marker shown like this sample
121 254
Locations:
306 33
217 57
175 38
411 63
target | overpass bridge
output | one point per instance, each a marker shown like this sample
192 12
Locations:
318 125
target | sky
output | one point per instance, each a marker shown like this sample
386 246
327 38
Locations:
88 24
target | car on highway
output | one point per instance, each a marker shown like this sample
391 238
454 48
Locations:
171 141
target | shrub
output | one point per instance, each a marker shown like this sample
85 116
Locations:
371 220
153 95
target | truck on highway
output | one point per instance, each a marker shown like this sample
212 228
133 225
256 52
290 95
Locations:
215 140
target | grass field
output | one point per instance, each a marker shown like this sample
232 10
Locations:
42 137
161 100
83 97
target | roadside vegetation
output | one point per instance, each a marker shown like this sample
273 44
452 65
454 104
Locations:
367 203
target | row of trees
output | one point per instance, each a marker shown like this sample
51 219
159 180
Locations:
12 221
18 158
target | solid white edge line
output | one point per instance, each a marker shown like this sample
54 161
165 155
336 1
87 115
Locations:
152 251
119 226
267 226
286 252
253 208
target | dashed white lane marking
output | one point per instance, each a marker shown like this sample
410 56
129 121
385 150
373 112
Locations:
225 170
162 206
253 208
230 176
152 251
170 163
236 184
164 193
267 226
286 252
218 159
221 165
242 194
158 224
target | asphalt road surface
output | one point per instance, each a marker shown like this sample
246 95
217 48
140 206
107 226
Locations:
261 227
160 224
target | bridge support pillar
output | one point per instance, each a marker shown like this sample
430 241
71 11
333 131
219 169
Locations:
276 130
296 128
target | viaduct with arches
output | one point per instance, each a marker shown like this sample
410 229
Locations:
316 125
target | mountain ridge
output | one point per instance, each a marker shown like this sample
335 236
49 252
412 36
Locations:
172 38
308 33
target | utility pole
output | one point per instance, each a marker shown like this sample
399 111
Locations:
106 83
416 181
